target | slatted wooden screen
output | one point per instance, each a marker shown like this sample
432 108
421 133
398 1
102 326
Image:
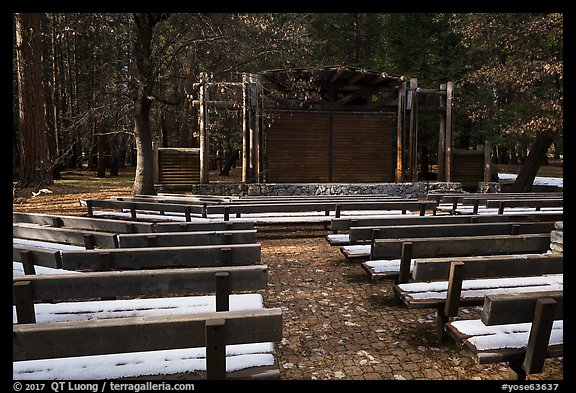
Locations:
468 167
330 147
178 166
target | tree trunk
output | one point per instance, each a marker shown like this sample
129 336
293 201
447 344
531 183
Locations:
35 168
533 161
143 180
232 158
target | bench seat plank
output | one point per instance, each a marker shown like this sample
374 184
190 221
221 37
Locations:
384 268
108 309
243 357
338 239
433 294
501 343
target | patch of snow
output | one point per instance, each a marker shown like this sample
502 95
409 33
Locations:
538 180
357 249
387 265
140 363
504 336
18 270
50 245
482 287
82 311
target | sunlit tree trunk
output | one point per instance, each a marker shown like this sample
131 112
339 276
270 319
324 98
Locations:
35 168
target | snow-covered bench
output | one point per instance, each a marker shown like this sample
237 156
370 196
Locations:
470 280
522 329
59 256
118 226
154 304
384 250
363 235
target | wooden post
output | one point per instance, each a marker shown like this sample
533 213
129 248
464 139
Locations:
89 208
27 259
442 135
487 161
226 256
405 261
151 241
539 336
203 129
105 261
222 291
24 301
216 349
245 128
400 131
448 150
155 163
476 204
501 207
454 289
452 298
133 212
412 98
89 241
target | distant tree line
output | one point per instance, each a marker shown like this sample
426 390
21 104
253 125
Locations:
93 90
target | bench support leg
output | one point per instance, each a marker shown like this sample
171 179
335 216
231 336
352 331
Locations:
216 349
441 320
516 371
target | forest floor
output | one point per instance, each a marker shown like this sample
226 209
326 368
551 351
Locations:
337 323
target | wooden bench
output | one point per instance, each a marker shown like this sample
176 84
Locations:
535 203
215 331
88 239
123 226
475 199
161 288
199 238
46 288
470 280
402 251
520 329
344 224
327 207
138 258
362 235
163 208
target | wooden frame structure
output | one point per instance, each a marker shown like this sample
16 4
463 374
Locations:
330 88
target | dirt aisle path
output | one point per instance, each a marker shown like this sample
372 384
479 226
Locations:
338 324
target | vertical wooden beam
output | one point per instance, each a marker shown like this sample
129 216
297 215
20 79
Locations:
258 123
452 298
215 349
27 259
487 161
254 128
405 262
539 336
449 105
245 128
89 241
155 163
412 127
222 291
203 129
400 132
442 135
24 301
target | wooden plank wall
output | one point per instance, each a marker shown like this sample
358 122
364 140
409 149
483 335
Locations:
468 167
362 148
178 166
330 147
